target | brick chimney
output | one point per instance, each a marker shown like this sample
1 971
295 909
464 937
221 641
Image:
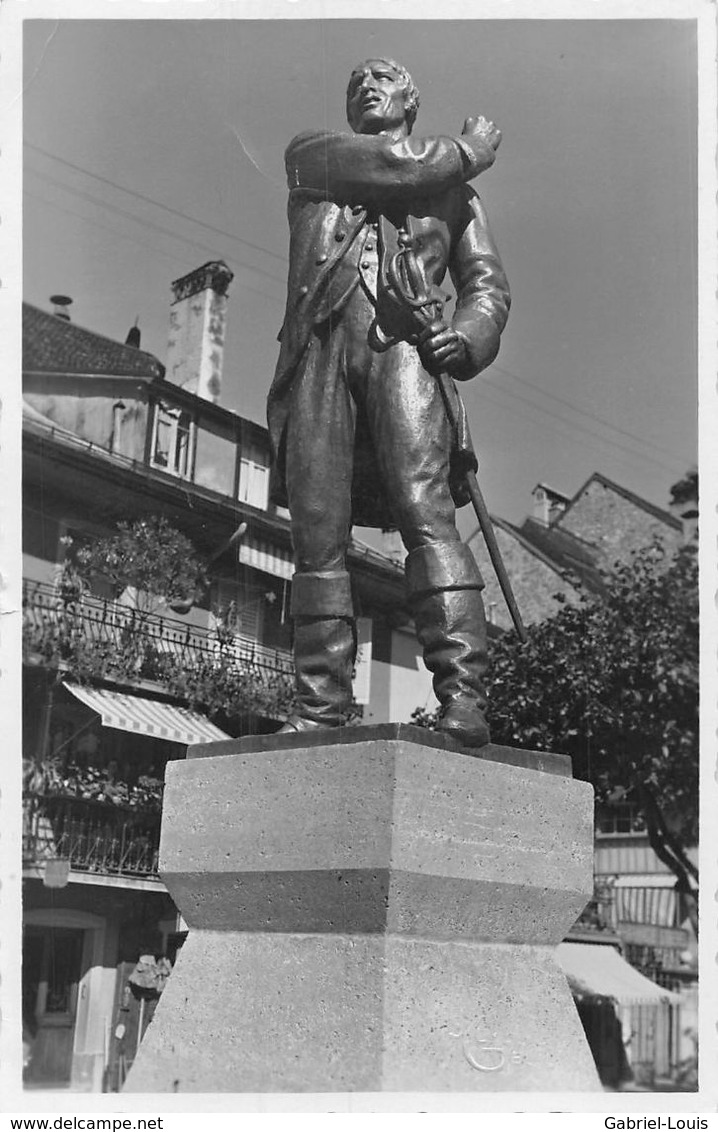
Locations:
198 317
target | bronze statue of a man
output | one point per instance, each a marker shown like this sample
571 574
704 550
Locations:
358 427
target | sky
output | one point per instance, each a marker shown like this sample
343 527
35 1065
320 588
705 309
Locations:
153 146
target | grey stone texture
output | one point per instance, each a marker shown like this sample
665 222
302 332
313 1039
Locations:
370 915
619 523
604 524
541 588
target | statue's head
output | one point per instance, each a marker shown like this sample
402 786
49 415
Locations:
381 95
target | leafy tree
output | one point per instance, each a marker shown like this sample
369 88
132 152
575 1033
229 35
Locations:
148 560
613 682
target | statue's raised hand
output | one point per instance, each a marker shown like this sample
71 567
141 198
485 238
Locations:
480 127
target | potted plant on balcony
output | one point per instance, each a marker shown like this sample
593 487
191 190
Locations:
148 561
150 567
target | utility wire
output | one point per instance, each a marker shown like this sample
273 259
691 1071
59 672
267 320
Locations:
145 223
156 203
632 454
668 465
142 243
265 251
540 392
573 427
98 224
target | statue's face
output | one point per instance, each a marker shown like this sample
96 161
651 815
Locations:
376 98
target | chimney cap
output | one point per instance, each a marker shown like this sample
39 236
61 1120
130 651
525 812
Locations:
215 275
550 492
61 303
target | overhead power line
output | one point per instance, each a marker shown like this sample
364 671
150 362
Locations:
135 240
98 224
572 428
146 223
540 392
679 464
156 203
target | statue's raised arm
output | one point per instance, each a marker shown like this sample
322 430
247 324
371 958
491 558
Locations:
372 168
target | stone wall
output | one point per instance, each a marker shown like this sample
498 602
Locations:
535 583
616 525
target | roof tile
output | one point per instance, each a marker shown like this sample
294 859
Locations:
52 345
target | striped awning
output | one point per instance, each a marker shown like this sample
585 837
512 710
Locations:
264 555
147 717
597 970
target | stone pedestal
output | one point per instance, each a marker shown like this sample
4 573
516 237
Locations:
375 912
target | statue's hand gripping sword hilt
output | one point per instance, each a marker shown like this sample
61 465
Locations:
410 305
406 278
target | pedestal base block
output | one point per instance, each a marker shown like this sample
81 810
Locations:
311 1013
369 916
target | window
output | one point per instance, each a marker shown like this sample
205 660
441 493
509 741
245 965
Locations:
215 459
254 476
255 606
619 819
239 606
40 534
173 441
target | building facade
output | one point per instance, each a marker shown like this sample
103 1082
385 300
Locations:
561 551
115 686
114 689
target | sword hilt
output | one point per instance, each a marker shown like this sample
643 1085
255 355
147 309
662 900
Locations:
406 277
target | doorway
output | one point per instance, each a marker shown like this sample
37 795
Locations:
51 973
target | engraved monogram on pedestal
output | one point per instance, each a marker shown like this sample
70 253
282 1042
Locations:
483 1047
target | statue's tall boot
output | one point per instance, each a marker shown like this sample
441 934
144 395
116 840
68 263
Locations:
444 585
324 650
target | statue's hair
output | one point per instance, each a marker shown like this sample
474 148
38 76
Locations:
410 87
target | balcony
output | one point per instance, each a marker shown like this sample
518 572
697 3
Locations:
95 837
95 638
599 915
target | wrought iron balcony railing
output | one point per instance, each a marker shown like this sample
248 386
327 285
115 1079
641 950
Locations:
95 837
103 638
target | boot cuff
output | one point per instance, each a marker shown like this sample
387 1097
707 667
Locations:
442 566
322 594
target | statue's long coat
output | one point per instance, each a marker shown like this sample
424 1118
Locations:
348 193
